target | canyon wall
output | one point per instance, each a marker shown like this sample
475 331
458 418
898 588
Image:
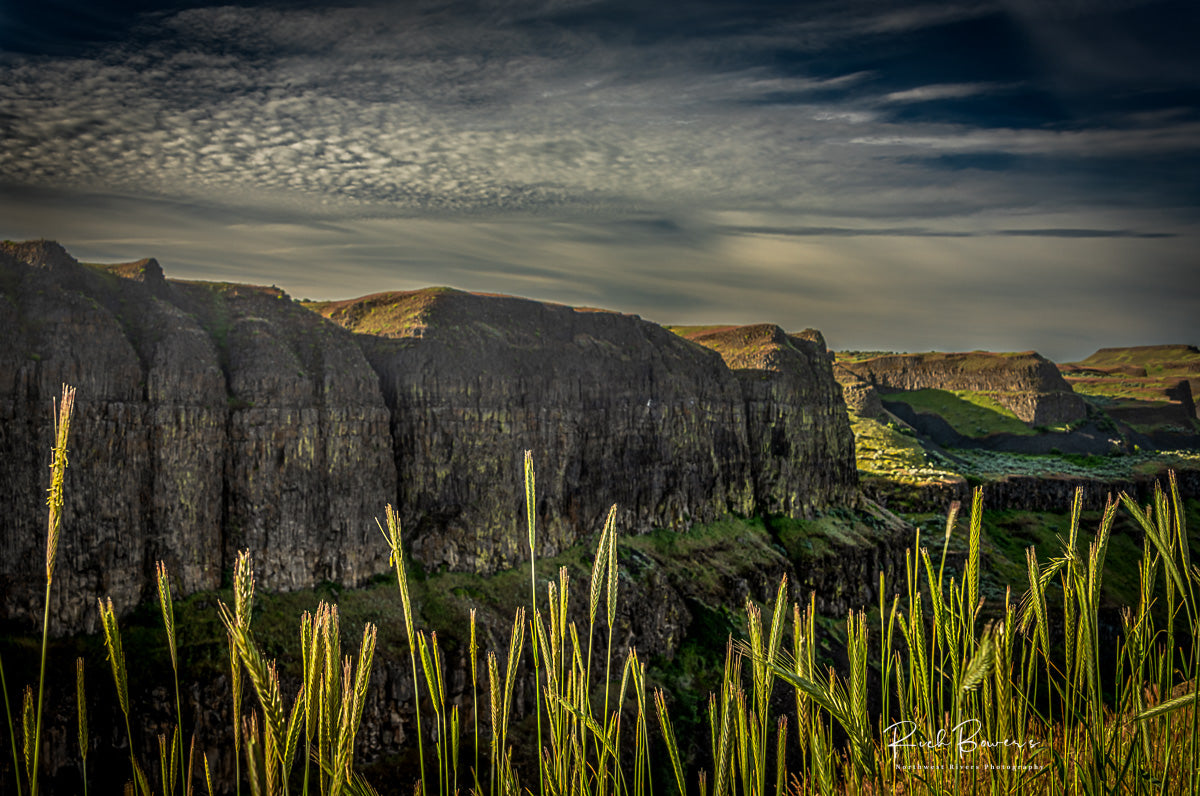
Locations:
799 433
209 418
1026 383
617 410
215 417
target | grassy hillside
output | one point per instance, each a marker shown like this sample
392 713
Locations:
1140 384
970 413
889 449
1156 360
395 314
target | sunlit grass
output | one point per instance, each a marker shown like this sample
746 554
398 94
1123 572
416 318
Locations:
969 412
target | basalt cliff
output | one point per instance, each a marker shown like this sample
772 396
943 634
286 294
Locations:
216 417
1027 384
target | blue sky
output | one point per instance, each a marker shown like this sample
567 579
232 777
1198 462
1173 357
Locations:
908 176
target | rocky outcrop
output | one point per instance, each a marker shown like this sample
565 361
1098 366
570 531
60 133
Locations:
860 395
1181 391
1151 385
56 335
147 271
618 410
1025 383
209 418
801 445
215 417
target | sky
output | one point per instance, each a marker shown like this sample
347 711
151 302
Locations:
968 174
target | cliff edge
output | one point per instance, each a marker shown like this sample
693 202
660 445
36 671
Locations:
210 418
214 417
1026 383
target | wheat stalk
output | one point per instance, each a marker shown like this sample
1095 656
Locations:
81 721
396 559
168 614
54 503
29 742
116 659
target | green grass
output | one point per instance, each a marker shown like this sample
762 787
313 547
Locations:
1121 390
685 331
890 449
971 414
1007 533
861 356
995 464
1111 375
706 554
829 532
396 314
1157 360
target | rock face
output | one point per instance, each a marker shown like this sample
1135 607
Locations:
215 417
209 418
860 395
1026 383
801 445
1181 391
618 410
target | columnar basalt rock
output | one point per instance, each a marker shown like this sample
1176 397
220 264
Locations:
57 335
801 445
215 417
1028 384
209 418
860 395
308 460
618 410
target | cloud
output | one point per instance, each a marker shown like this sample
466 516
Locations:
942 91
921 15
354 111
929 232
846 232
1172 139
1082 233
752 161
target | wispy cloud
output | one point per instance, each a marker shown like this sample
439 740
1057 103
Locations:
358 111
943 91
1106 142
556 147
1082 233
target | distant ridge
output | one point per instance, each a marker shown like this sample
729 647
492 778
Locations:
1024 382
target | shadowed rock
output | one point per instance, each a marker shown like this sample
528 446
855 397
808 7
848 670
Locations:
209 418
213 417
801 445
617 409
